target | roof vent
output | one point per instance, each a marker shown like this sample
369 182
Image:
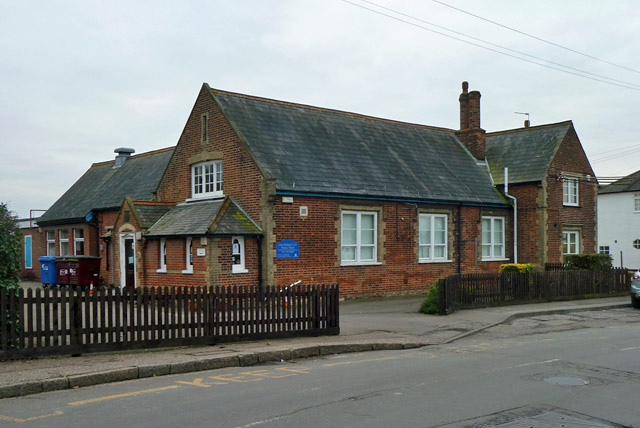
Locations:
123 154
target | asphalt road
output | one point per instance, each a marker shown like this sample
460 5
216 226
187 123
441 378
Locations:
589 374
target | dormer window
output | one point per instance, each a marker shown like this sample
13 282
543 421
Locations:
206 179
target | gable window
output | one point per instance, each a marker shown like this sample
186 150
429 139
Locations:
604 249
78 242
163 256
492 238
206 179
188 256
204 133
63 236
237 255
359 237
432 237
51 243
570 191
571 242
636 200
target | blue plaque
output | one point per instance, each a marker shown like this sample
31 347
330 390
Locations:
287 249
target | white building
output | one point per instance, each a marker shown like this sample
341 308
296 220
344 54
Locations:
619 221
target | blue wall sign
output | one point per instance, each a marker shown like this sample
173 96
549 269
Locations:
288 249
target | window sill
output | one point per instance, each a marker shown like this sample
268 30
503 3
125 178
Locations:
360 263
495 260
205 198
187 271
239 271
571 205
161 271
427 261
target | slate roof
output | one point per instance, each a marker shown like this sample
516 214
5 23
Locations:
149 213
527 152
219 217
318 151
630 183
104 187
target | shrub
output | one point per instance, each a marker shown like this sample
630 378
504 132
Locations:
10 260
431 304
520 267
10 249
599 262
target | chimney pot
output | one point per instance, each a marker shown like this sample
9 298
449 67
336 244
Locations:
123 154
470 133
527 123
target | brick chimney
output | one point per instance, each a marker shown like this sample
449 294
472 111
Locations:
470 133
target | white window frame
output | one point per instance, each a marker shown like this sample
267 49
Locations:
567 243
188 247
207 179
570 189
604 249
28 254
636 203
162 255
426 223
237 249
77 240
358 245
491 245
64 241
51 243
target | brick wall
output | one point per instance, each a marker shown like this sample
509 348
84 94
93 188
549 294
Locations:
242 178
530 224
398 270
571 159
106 220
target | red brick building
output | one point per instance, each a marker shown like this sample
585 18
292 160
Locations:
555 188
271 192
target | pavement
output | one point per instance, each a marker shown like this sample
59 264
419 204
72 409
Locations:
365 325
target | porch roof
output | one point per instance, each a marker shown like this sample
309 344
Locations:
218 217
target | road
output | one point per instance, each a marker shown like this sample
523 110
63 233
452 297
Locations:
585 375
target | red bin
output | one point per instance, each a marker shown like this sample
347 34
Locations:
78 270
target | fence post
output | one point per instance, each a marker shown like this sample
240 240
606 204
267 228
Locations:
315 314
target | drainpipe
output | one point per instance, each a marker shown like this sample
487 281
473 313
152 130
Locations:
515 215
259 239
459 239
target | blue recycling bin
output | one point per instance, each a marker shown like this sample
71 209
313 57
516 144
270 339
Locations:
48 271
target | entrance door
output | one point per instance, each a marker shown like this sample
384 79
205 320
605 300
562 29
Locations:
127 260
129 263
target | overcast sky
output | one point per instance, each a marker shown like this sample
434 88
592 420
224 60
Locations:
80 78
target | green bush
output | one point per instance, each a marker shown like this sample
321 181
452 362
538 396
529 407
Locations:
10 262
519 267
431 304
599 262
10 249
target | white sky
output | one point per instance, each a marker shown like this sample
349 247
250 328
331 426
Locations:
80 78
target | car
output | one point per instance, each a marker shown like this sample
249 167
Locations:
635 290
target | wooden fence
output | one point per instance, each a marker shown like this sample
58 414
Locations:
492 289
73 321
